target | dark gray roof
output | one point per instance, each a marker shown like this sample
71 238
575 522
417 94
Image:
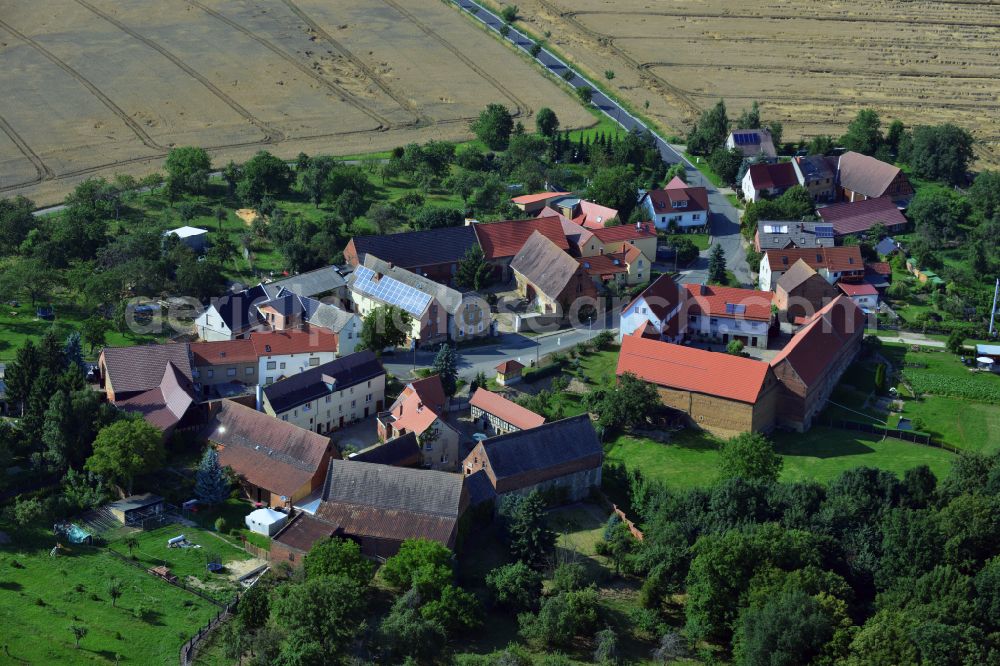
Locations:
479 487
780 234
394 488
547 446
545 265
239 310
407 283
323 380
136 502
413 249
312 283
403 451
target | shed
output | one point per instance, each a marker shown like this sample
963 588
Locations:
509 372
193 237
988 351
136 508
266 521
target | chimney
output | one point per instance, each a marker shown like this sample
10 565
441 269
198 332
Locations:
260 398
703 289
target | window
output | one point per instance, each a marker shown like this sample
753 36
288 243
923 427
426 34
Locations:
269 380
340 408
231 372
368 398
195 373
642 310
295 412
327 399
282 366
693 318
307 408
271 365
696 216
640 263
211 373
429 446
284 417
313 362
369 383
248 371
354 403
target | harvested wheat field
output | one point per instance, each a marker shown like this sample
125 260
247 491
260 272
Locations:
97 87
812 65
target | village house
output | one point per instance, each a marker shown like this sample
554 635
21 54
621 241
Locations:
232 316
811 364
879 275
439 313
724 314
801 292
498 415
321 282
501 241
818 174
561 459
550 278
833 263
658 306
430 253
284 353
379 507
677 206
154 381
509 372
862 177
721 393
774 235
422 409
329 396
607 270
864 295
277 463
752 142
402 451
224 367
641 235
860 216
768 180
582 242
532 204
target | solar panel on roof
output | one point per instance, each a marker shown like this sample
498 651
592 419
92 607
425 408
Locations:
824 232
389 290
746 138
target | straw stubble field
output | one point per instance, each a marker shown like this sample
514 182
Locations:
96 87
811 64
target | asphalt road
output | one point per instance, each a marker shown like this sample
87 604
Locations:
725 226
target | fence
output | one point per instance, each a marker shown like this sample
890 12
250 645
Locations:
176 583
905 435
257 551
190 647
636 532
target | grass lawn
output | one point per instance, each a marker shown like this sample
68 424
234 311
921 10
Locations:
42 597
692 458
189 563
701 164
701 241
962 423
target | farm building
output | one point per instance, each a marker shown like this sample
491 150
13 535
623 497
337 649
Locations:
752 142
501 241
818 174
509 372
499 415
862 177
532 204
136 508
801 292
548 277
402 451
860 216
431 253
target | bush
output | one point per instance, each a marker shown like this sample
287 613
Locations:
569 576
880 377
515 586
220 525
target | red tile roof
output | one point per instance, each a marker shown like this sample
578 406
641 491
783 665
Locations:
223 352
509 366
880 267
857 216
675 184
772 176
691 369
505 239
835 259
593 216
661 297
140 368
860 289
535 198
815 346
669 200
293 342
717 301
625 232
604 264
504 409
268 452
419 404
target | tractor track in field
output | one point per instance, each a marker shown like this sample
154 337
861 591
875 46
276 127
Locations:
343 95
571 15
522 108
42 169
271 134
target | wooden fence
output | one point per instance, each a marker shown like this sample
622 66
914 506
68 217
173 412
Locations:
257 551
190 647
636 532
176 583
905 435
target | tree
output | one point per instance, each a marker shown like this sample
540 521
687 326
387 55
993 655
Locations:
956 341
515 586
530 539
321 615
625 405
79 632
30 277
585 94
609 74
616 188
726 163
187 169
16 221
446 367
749 118
69 426
717 265
864 134
116 589
338 557
677 170
21 374
785 630
407 633
504 30
125 448
413 556
454 610
131 542
473 271
211 485
535 49
232 173
984 194
493 126
385 326
938 214
263 175
941 152
735 347
562 618
73 351
95 330
749 456
509 13
384 217
710 131
546 122
607 651
821 145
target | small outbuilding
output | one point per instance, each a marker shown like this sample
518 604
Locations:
193 237
137 508
991 352
509 372
266 521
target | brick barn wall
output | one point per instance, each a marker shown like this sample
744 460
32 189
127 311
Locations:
719 416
